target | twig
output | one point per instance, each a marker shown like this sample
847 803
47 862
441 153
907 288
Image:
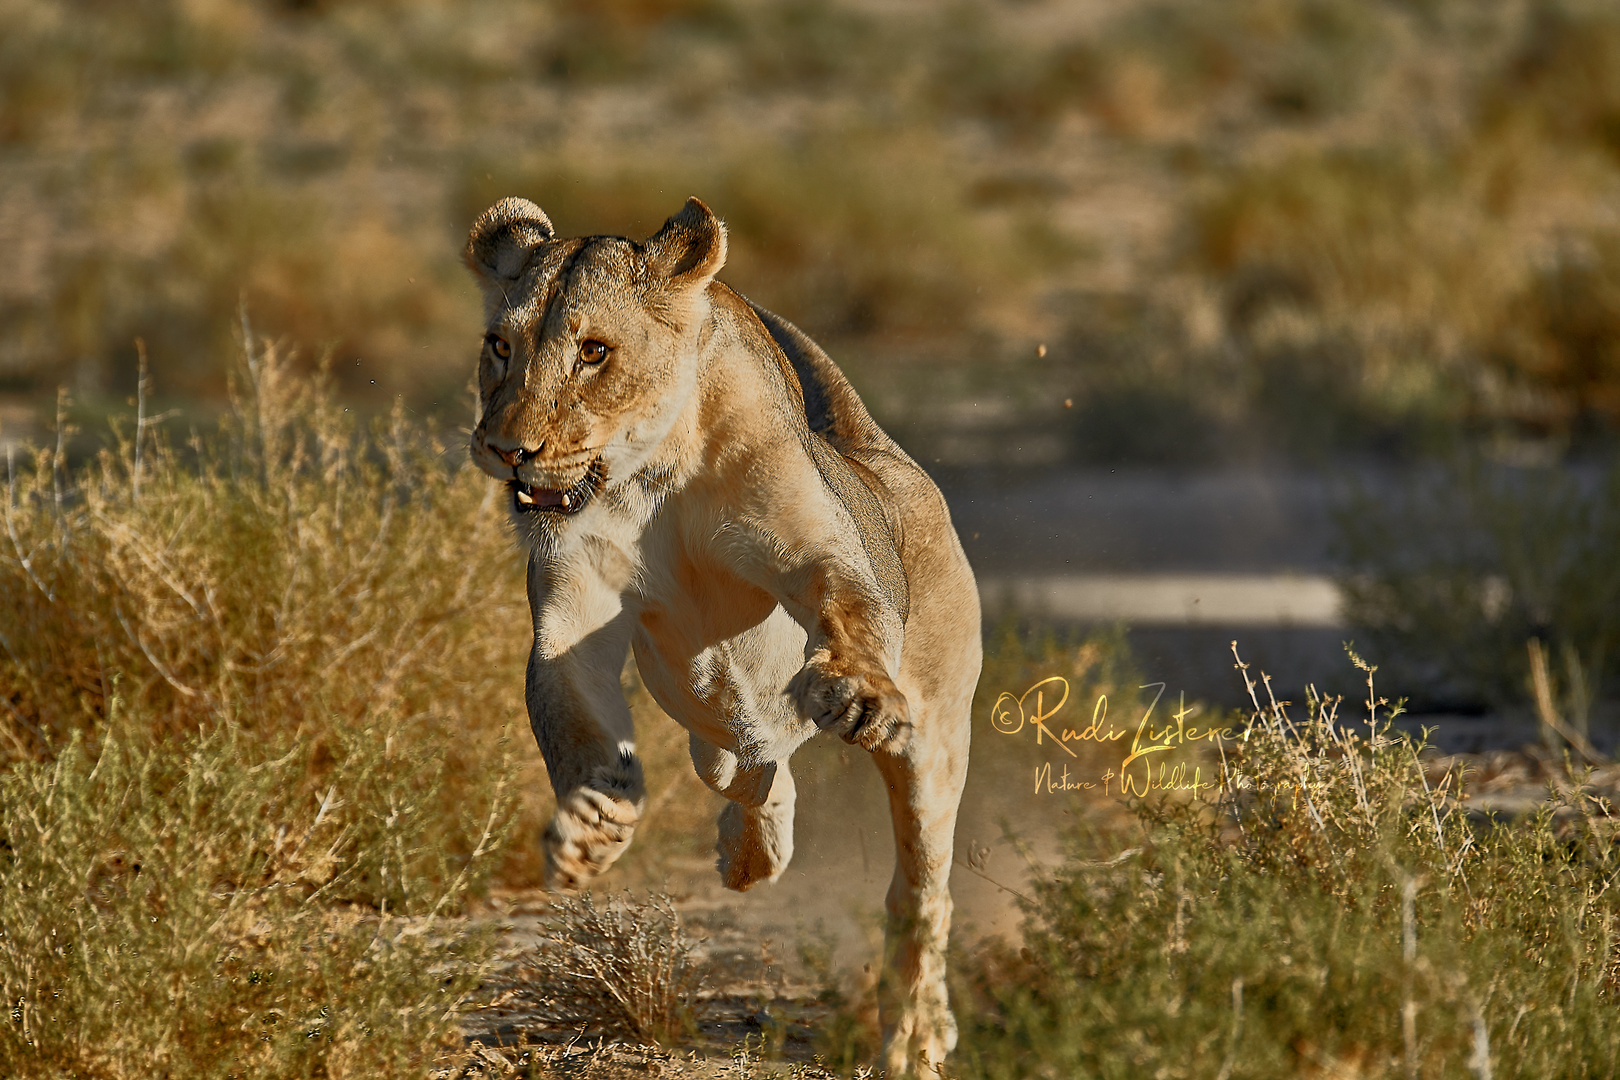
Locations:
61 452
11 528
1280 716
157 665
1237 1030
140 417
1409 954
1548 713
970 868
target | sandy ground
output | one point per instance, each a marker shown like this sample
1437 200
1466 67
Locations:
761 990
763 1011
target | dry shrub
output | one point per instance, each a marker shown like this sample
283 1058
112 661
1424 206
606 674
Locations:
1021 651
1469 277
1292 59
625 968
853 232
313 579
1406 204
240 683
257 700
317 184
165 910
1371 267
320 586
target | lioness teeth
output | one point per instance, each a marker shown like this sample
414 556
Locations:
529 497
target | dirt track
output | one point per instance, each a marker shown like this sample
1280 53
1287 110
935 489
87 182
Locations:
764 1011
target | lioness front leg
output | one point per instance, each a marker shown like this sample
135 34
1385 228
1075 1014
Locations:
582 724
594 824
845 688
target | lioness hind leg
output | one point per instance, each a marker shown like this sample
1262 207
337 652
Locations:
925 787
755 841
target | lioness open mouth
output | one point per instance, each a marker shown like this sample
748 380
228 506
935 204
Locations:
528 498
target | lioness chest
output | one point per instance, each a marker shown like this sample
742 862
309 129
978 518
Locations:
715 651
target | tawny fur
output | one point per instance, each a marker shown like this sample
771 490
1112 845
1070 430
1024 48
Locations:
777 563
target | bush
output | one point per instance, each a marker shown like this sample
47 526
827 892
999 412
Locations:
255 719
1331 908
318 586
1447 577
625 968
1296 60
166 909
857 231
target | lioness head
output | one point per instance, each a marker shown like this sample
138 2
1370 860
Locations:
590 348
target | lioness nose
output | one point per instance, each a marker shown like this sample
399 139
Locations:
513 457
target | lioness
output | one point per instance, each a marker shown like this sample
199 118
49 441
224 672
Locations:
693 478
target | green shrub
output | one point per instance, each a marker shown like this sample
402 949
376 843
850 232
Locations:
1332 909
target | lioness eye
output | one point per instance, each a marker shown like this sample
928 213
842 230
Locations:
593 352
500 346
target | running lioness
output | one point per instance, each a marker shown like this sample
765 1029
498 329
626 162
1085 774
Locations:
693 478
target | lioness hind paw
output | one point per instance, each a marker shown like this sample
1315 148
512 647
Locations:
752 847
920 1044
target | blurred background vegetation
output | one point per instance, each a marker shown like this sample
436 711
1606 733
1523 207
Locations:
261 647
1037 234
1249 229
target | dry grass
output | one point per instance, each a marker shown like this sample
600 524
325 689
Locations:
258 693
257 737
309 581
623 969
315 580
260 717
172 906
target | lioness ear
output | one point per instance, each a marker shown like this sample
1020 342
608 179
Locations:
504 237
690 248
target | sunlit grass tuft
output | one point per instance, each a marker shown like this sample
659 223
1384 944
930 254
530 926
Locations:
313 582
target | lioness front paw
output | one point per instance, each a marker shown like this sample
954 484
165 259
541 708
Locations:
590 830
867 710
